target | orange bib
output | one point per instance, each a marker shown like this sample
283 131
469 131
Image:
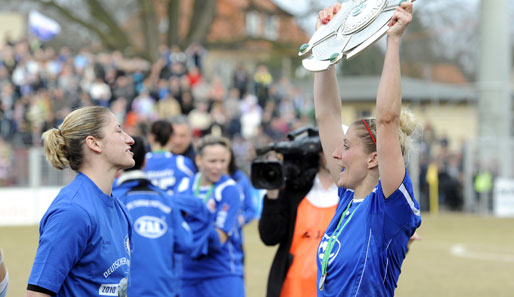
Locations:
311 223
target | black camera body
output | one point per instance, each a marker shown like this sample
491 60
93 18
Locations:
300 162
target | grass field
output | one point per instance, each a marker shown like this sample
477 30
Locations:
459 255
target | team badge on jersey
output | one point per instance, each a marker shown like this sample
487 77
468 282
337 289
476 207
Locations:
126 244
150 227
323 246
211 205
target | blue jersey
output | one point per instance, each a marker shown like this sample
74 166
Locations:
160 231
368 253
84 243
166 170
223 203
248 211
249 197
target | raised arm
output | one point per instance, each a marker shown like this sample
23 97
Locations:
388 109
327 105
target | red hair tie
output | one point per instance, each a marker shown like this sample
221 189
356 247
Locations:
369 131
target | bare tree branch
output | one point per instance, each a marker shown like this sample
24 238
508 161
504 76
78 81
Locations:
148 19
70 16
115 32
173 17
200 24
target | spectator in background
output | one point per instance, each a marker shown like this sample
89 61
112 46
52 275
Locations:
144 107
188 102
240 80
194 76
100 92
174 88
164 168
177 56
251 117
168 108
200 119
182 137
160 231
231 105
262 80
196 53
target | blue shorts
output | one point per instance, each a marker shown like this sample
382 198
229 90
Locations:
227 286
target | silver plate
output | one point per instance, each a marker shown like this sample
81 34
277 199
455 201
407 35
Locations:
329 30
314 65
362 14
335 44
357 25
367 32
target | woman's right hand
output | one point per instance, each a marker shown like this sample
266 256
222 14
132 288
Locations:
325 15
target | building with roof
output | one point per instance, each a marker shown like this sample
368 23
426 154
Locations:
451 109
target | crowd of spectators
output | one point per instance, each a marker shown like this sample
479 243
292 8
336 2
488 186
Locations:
40 85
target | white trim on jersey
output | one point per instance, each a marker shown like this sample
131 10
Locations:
221 187
365 261
387 260
184 185
408 197
182 166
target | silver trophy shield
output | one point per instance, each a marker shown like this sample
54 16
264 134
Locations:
357 25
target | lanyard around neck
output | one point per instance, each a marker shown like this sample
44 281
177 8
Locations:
197 189
334 236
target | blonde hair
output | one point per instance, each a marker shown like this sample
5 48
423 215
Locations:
209 140
64 145
407 127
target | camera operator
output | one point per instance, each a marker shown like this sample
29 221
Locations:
297 224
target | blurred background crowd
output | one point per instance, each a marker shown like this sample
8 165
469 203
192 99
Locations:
40 85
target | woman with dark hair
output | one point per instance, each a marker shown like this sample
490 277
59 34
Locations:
84 243
164 168
160 231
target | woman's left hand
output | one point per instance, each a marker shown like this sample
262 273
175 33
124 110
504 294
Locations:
400 20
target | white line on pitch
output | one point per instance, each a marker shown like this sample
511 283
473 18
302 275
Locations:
460 250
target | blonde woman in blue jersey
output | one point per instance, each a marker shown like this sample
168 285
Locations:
362 251
84 236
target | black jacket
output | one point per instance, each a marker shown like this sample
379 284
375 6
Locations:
276 225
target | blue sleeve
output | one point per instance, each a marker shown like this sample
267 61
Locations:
249 206
182 232
199 220
228 210
193 207
64 233
191 165
401 209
